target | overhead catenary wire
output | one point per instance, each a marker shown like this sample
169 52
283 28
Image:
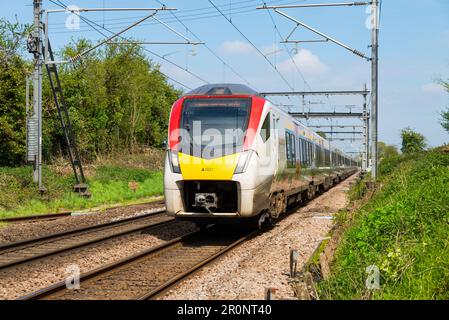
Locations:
61 4
253 45
210 50
92 23
288 51
286 48
185 17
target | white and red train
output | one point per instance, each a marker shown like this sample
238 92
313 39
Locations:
233 155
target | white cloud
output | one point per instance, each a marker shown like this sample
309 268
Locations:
236 47
433 88
306 61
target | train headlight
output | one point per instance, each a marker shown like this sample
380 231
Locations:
174 161
244 159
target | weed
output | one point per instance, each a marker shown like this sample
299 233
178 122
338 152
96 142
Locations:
403 230
108 184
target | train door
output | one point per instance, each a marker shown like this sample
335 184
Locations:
267 150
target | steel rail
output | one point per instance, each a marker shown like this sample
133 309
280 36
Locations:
53 216
176 280
25 258
24 251
36 217
105 275
54 291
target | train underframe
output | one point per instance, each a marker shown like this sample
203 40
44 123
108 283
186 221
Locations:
206 202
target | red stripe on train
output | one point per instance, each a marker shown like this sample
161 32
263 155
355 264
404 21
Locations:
175 121
254 121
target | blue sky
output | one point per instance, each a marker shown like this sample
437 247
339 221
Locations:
414 52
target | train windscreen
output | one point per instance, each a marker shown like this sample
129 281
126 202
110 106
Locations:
214 128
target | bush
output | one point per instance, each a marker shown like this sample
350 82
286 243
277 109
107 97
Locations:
403 231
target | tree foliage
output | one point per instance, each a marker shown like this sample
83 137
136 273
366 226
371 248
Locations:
13 70
322 134
386 151
117 99
412 141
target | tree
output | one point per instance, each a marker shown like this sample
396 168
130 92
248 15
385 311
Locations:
322 134
118 99
386 151
116 96
445 114
13 70
412 141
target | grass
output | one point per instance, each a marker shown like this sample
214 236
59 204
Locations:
108 183
403 230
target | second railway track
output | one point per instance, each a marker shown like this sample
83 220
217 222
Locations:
151 272
12 254
55 216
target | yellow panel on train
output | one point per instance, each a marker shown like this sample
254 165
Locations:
194 168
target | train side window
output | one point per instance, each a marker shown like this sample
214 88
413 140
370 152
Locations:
309 153
287 146
306 153
265 130
291 149
301 150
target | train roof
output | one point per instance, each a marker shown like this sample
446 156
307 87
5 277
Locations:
311 134
223 89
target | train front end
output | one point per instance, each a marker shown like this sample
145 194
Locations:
212 165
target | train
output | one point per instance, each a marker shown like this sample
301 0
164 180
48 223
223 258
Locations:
233 156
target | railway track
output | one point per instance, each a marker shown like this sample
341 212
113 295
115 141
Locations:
151 272
55 216
12 254
36 217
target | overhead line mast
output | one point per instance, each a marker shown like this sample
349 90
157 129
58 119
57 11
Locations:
35 44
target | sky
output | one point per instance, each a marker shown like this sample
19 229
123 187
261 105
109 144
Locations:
413 53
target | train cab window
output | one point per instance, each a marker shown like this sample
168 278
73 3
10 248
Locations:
265 130
214 127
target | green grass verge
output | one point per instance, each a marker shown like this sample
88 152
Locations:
403 230
108 185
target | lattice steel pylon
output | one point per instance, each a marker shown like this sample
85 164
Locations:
81 186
